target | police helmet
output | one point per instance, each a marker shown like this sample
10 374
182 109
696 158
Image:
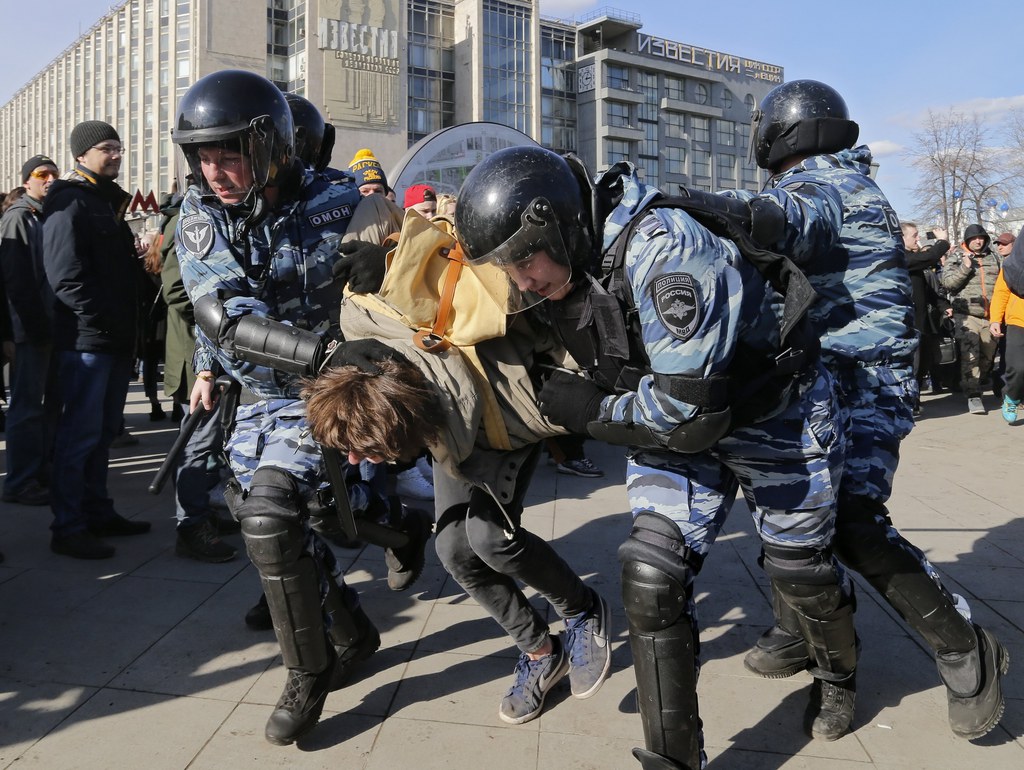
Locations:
521 200
314 138
801 117
241 111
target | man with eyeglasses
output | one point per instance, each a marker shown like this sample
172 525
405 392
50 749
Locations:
89 254
29 302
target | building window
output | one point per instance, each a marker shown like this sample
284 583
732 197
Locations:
557 57
617 150
675 160
647 169
431 71
700 93
675 88
617 76
701 164
618 114
726 99
725 133
749 101
674 127
700 129
726 170
507 96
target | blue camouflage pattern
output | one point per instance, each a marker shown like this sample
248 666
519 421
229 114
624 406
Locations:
878 405
732 302
843 233
290 256
789 462
789 466
280 268
846 237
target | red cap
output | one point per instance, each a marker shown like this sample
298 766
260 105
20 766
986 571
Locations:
1005 239
417 194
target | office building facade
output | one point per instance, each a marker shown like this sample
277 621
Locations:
388 73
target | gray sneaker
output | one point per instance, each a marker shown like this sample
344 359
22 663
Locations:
534 678
587 640
974 406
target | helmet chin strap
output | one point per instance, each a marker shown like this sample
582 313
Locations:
255 206
756 119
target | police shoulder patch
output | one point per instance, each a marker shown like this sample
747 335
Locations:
678 303
196 235
330 216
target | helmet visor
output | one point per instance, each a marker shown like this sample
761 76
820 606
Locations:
534 257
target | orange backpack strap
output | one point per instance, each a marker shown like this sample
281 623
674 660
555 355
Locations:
433 340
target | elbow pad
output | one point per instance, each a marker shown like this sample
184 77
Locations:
260 341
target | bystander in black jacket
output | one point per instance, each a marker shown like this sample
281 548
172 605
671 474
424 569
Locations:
94 274
919 264
29 298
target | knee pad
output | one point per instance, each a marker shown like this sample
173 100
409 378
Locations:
270 522
658 569
806 579
272 493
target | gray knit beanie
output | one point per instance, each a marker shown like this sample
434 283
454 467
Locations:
88 134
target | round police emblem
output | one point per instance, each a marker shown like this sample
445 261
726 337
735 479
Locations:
678 304
196 235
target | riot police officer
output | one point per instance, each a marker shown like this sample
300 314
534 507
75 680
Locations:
691 361
258 237
840 229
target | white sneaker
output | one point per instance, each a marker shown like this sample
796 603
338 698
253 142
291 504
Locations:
974 406
425 469
410 483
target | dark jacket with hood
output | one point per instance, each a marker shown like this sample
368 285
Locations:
970 286
29 297
921 265
91 265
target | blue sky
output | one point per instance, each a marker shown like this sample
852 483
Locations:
893 60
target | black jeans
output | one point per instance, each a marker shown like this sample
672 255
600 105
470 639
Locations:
485 548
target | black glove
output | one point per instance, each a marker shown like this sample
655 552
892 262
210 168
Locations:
365 355
570 400
362 266
767 222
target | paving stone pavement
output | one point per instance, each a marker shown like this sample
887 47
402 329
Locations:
143 660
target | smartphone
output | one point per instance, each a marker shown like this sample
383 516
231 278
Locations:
930 235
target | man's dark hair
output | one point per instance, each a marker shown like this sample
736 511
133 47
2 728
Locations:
392 414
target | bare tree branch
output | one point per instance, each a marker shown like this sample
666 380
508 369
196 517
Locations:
965 172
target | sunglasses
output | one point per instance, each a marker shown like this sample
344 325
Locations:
43 174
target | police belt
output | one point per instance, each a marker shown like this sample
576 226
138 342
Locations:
719 391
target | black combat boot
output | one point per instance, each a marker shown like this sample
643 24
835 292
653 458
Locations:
973 688
829 715
651 761
301 704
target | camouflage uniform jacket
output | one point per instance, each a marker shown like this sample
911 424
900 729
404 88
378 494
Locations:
846 237
281 269
970 288
696 297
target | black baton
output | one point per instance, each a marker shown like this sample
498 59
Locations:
171 460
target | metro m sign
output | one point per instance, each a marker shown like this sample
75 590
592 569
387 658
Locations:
148 203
